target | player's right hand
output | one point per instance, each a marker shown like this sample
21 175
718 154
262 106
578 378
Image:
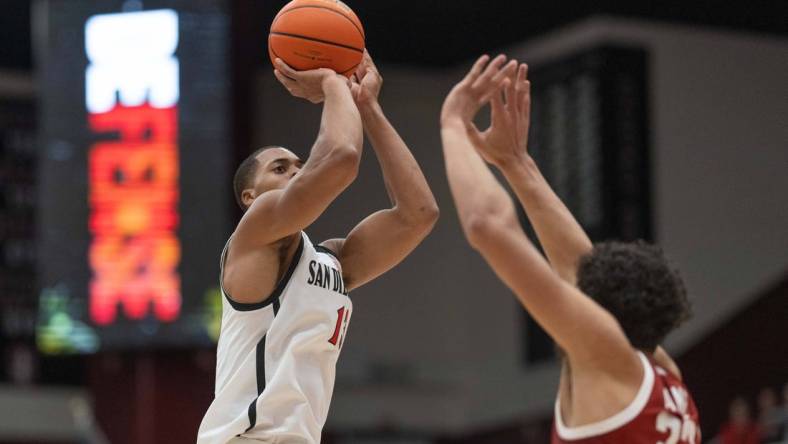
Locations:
506 139
305 84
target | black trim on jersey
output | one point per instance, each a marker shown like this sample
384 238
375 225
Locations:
260 359
280 287
252 415
260 376
277 304
322 249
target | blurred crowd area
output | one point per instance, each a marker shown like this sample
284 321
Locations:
763 422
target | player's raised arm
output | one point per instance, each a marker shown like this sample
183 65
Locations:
386 237
563 239
332 165
561 236
590 335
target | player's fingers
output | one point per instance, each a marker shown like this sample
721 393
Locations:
361 70
368 61
489 92
524 100
497 108
521 81
476 69
355 90
510 93
288 83
492 69
505 73
285 69
522 73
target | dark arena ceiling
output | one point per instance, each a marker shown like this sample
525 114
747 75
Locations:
443 32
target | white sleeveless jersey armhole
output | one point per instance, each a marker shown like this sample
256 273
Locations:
276 360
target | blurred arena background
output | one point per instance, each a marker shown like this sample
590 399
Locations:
664 121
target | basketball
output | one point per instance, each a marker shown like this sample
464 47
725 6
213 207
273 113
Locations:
310 34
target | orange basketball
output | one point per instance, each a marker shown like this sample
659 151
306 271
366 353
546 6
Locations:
309 34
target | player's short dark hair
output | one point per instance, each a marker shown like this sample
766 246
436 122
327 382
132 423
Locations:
245 173
636 283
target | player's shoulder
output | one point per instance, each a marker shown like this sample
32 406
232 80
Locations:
662 359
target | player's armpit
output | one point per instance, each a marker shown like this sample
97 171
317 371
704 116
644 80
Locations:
376 245
333 245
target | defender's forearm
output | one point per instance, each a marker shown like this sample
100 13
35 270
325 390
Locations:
561 236
477 194
404 180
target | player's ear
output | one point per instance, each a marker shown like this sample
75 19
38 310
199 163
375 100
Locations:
247 197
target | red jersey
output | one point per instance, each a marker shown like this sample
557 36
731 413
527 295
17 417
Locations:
662 412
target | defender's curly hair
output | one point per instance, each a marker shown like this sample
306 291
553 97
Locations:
639 287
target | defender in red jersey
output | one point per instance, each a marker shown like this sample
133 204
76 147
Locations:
609 306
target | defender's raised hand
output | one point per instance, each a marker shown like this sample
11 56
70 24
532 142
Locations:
506 139
305 84
479 85
366 82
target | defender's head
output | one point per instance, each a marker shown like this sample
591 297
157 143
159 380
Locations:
639 287
268 168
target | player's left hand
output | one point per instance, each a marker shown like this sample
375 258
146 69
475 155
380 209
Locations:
485 79
366 82
506 140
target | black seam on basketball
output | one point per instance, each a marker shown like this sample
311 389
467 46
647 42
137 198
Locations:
277 56
352 68
360 31
296 36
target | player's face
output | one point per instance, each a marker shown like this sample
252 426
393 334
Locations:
275 168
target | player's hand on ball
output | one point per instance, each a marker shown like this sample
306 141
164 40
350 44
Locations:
305 84
475 90
506 139
366 81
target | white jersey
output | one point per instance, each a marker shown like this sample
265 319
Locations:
276 360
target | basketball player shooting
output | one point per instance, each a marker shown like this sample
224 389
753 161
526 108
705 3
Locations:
285 304
607 306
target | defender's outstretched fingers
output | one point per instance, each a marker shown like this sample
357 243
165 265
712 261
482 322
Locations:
490 71
505 73
510 93
476 69
493 89
498 109
523 88
525 102
500 80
